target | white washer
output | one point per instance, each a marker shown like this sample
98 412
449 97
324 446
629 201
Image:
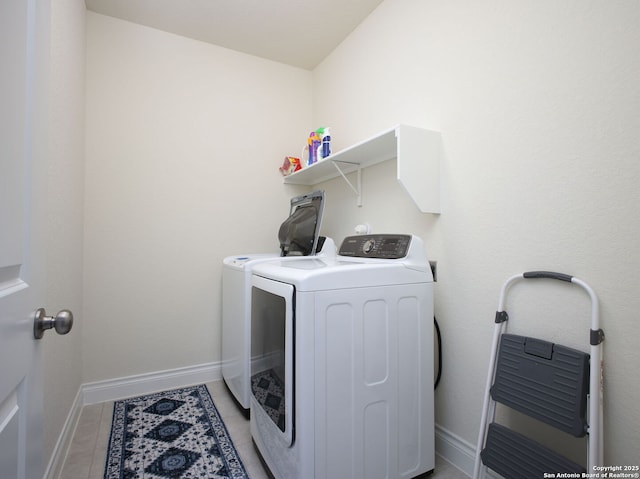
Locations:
236 317
342 362
298 236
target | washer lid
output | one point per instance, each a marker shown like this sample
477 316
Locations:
298 234
244 261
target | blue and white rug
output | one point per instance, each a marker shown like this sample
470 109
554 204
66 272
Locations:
171 434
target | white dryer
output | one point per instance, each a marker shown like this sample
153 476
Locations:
342 362
299 237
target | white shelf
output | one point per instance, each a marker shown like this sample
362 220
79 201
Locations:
418 154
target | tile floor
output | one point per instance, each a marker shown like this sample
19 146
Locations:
86 456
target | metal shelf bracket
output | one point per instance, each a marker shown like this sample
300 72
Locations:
356 189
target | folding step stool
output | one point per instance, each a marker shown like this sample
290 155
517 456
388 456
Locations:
554 384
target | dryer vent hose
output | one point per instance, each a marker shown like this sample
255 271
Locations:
435 323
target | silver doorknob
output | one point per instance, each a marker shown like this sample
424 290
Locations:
62 322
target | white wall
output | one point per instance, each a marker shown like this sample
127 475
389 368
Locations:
537 102
65 205
184 140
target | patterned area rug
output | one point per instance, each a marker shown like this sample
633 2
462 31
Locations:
172 434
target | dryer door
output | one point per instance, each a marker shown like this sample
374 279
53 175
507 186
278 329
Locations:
272 324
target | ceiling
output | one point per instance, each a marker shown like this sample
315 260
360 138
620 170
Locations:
296 32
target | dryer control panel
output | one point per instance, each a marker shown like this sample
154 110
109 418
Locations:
384 246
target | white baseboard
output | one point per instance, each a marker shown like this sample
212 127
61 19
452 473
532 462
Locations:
120 388
455 450
54 468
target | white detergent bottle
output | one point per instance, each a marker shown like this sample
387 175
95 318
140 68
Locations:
326 143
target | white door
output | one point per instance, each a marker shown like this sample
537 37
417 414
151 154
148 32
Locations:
24 26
